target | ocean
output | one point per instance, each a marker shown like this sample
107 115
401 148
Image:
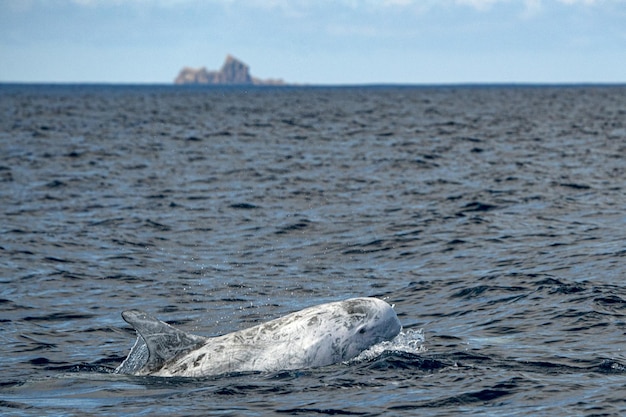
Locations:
493 219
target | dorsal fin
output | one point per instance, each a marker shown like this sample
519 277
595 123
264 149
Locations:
164 342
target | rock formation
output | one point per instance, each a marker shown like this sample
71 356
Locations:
233 72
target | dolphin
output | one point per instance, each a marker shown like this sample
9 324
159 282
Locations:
316 336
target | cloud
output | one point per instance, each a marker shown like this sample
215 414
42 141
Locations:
532 8
587 2
147 3
397 2
479 4
303 7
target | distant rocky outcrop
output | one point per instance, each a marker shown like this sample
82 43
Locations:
233 72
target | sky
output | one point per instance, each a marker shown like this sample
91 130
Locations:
316 41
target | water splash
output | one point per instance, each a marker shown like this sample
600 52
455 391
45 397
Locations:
409 341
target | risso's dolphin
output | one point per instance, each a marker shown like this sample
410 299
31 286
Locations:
316 336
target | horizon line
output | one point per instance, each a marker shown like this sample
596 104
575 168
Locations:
317 85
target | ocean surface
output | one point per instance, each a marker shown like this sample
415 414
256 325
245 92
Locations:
492 217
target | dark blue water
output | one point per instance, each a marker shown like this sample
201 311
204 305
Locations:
494 218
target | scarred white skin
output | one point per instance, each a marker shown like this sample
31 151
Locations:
316 336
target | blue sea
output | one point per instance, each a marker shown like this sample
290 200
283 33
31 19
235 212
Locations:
492 217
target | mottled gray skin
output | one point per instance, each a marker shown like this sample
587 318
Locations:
316 336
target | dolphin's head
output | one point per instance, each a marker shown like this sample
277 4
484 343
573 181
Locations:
371 321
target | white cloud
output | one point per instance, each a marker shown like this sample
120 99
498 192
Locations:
532 8
479 4
397 2
301 7
588 2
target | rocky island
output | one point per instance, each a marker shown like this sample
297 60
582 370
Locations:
233 72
